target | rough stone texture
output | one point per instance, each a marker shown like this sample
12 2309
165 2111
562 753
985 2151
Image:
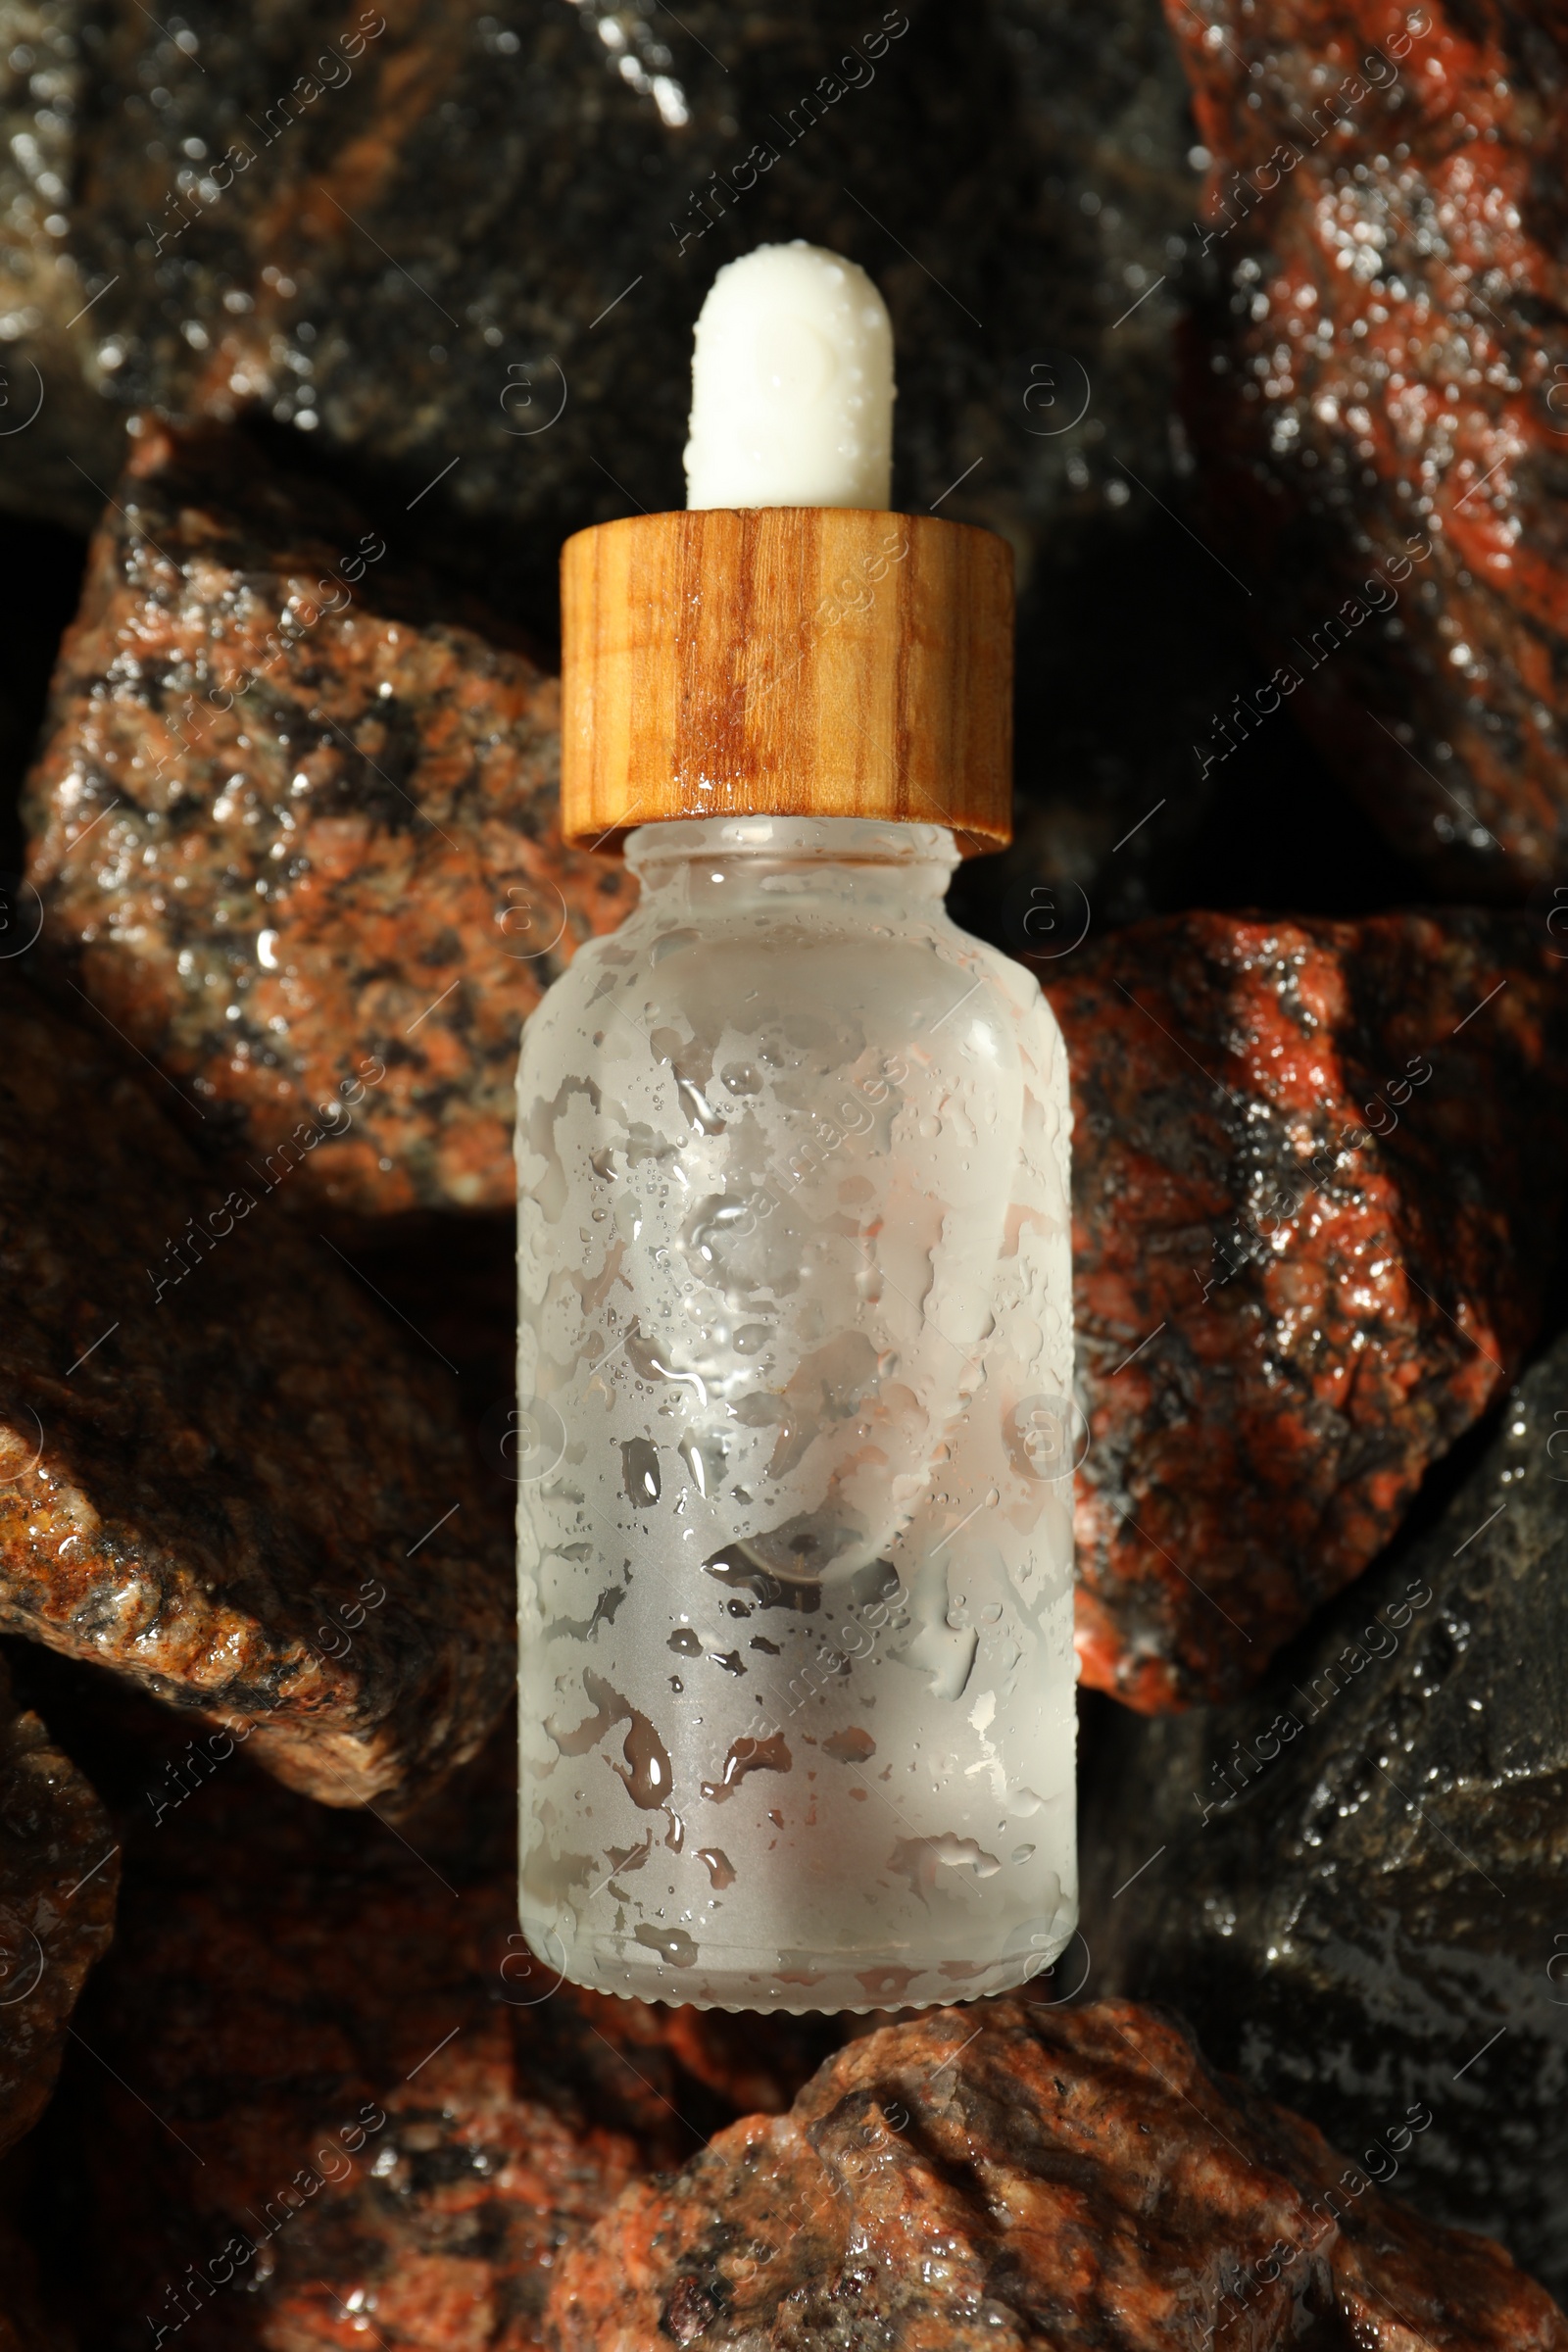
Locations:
1391 374
402 274
237 179
1009 2175
57 1875
294 822
221 1465
271 2015
1284 1317
53 421
1361 1882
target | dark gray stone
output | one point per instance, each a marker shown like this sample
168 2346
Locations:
1358 1897
380 233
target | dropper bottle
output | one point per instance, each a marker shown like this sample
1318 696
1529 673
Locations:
795 1532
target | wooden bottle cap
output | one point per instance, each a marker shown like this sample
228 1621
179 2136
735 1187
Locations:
789 661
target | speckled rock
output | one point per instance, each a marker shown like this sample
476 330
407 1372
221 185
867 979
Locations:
57 432
1380 410
382 2120
1318 1180
224 1470
1010 2175
459 258
1357 1896
294 821
235 178
59 1870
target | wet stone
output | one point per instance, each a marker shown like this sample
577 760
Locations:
294 829
453 253
1378 406
1359 1900
383 2113
59 1870
1317 1191
226 1472
236 191
1014 2176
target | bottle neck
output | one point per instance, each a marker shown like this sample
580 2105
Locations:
711 863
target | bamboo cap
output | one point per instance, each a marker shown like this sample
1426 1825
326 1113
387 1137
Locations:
786 661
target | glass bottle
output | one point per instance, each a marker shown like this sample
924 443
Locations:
795 1525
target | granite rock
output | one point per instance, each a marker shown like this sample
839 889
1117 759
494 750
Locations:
454 253
1014 2176
224 1470
400 232
1379 407
294 821
1359 1893
1318 1200
375 2111
59 1870
55 429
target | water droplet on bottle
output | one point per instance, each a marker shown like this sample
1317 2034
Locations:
639 1470
670 1943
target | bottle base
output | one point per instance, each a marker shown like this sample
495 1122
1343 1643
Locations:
798 1983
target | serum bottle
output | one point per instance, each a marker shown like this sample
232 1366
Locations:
795 1531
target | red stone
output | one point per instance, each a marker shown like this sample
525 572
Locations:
1013 2176
372 2110
1285 1317
294 826
1384 377
225 1471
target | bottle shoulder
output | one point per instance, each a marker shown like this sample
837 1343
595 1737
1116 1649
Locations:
898 971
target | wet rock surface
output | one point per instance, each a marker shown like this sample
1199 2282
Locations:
1316 1209
1357 1898
226 1472
294 830
59 1870
321 223
415 287
293 823
1014 2176
1378 406
457 260
372 2109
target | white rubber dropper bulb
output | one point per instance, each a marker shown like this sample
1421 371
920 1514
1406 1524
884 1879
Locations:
792 386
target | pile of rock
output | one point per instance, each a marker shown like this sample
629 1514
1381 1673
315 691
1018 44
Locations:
295 881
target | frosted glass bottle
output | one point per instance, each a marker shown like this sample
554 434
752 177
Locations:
795 1521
